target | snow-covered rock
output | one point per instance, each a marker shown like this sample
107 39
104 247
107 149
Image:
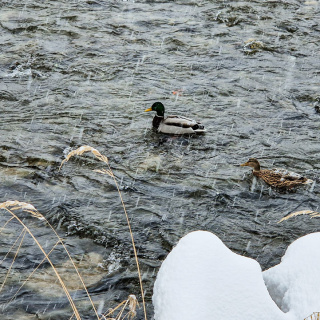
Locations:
201 279
294 284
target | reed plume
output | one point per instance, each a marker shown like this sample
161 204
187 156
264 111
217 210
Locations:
312 213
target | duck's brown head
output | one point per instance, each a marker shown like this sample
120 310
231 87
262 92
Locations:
252 162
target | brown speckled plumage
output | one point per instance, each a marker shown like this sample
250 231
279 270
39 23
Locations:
277 178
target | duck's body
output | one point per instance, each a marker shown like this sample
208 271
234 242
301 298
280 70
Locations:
277 178
174 124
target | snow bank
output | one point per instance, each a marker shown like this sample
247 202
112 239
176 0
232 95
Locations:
202 279
295 283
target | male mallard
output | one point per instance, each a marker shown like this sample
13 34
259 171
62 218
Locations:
278 178
173 124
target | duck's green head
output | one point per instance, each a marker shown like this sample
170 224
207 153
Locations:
158 107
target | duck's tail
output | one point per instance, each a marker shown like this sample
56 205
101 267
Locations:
308 181
199 128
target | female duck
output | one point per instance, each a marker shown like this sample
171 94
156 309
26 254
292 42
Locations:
173 124
277 178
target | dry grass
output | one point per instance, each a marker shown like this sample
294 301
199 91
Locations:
132 304
11 206
312 213
125 310
108 171
314 316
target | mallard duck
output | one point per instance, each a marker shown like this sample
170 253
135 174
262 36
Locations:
173 124
277 178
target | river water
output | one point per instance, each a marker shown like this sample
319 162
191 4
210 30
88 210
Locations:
82 73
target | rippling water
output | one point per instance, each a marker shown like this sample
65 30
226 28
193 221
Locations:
82 72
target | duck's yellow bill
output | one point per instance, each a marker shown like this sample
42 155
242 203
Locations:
244 164
150 109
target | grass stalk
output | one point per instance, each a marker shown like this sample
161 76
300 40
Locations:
23 233
29 208
6 224
132 301
14 205
14 244
32 273
109 172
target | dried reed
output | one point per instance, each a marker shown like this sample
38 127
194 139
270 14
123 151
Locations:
11 206
312 213
23 233
131 302
314 316
109 172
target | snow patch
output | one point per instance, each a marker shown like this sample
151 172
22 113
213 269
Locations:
202 279
294 284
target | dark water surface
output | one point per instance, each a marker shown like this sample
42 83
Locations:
82 72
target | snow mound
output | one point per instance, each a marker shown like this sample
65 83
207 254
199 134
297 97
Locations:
202 279
294 284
